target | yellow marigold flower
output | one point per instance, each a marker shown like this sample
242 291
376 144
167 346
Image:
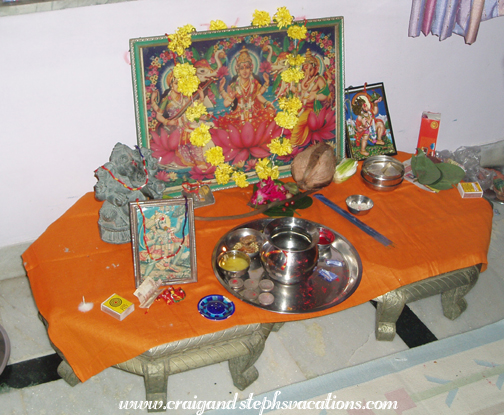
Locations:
240 179
182 70
260 18
214 156
293 74
223 173
196 111
286 120
274 173
282 17
280 147
264 169
175 46
200 136
188 28
291 105
188 85
295 60
297 32
217 25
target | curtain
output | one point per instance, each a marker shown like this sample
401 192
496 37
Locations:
444 17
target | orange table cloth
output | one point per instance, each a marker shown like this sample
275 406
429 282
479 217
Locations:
432 234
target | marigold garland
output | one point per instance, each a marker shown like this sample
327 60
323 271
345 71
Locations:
188 84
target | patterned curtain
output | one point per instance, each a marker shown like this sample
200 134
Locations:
444 17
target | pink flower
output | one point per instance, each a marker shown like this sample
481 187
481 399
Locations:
238 146
265 66
319 127
202 172
163 176
250 165
268 191
164 146
222 72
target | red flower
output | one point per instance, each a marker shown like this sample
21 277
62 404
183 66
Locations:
164 146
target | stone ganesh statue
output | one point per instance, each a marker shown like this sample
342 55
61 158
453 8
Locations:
127 177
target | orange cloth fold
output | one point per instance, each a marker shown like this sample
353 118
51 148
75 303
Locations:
432 234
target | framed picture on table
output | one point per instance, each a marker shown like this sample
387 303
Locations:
368 125
240 83
163 240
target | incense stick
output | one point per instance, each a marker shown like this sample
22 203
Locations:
361 225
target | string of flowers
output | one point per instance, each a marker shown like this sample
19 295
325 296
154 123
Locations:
287 119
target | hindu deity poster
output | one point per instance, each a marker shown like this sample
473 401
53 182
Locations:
240 83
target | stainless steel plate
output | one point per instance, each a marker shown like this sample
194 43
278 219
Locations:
342 264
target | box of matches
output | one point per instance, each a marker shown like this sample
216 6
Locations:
117 307
470 189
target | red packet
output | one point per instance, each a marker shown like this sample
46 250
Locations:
429 128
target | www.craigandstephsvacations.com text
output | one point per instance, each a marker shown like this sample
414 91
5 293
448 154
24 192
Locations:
261 405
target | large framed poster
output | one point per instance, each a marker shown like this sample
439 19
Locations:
239 71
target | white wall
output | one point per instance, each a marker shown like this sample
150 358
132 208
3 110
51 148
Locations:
66 91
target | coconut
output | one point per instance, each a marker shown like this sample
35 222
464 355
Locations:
314 167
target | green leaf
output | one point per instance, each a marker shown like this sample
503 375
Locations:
450 176
208 54
289 210
276 50
424 169
286 43
196 54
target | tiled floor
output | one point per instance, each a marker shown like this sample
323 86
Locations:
299 351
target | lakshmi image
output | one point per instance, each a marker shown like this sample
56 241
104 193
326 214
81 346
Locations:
244 95
368 127
170 141
314 93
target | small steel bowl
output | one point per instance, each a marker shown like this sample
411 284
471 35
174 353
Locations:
227 257
382 173
234 237
359 205
326 238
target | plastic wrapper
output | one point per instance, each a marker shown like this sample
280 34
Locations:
481 163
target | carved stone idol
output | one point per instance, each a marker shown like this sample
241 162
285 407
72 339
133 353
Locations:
127 177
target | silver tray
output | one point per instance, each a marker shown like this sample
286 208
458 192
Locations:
313 294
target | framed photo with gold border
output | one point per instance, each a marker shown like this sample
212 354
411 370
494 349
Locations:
242 125
163 240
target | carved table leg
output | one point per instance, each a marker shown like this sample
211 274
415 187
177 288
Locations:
453 301
242 368
389 308
156 382
452 286
67 373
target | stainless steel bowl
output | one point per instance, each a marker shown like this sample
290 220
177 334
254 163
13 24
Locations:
238 240
237 237
382 173
227 258
359 205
